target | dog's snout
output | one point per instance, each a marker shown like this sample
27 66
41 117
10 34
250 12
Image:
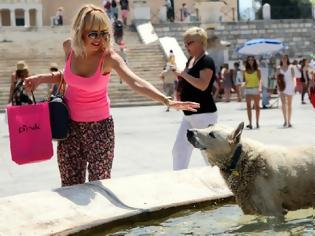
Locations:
190 134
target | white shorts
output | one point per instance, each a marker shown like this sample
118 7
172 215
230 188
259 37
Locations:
251 91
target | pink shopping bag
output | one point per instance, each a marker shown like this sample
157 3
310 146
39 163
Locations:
30 133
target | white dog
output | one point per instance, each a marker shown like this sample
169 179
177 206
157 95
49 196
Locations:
266 180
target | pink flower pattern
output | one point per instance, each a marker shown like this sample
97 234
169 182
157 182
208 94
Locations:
89 146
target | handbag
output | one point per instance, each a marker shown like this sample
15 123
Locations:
59 114
29 132
281 82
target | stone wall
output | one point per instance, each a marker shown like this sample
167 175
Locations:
298 35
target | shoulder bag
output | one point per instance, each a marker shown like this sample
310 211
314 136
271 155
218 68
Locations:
59 114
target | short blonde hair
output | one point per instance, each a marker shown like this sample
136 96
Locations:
88 16
197 33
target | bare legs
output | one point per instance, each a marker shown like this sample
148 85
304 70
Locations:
257 109
286 101
227 94
256 99
238 92
249 111
289 100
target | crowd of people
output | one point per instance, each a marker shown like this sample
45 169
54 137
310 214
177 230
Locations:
257 80
113 7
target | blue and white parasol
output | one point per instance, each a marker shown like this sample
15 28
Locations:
256 47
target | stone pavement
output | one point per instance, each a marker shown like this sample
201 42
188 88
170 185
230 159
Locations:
144 139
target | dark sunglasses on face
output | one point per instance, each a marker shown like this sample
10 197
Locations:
95 34
189 43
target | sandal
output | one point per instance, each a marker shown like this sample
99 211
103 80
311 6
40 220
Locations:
249 126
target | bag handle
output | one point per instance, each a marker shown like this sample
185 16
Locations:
61 83
34 100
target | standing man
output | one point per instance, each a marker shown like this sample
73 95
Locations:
264 73
184 13
169 11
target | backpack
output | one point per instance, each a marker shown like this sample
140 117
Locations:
107 5
118 28
124 4
114 4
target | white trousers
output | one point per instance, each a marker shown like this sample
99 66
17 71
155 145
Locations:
182 148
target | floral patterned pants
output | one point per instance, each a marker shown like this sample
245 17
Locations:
89 145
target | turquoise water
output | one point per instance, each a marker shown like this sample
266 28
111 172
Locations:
224 220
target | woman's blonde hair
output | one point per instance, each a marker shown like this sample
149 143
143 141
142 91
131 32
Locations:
88 16
197 33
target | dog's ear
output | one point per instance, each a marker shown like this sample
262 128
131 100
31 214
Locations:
235 136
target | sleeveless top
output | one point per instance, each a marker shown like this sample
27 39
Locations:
87 97
251 80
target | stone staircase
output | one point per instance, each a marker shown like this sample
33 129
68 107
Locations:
41 46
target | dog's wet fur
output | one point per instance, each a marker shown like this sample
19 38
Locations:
266 180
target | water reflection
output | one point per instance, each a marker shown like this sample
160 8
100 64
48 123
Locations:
225 220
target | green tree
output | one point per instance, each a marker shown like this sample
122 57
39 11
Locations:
289 9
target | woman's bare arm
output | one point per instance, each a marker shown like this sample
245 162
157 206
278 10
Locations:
141 86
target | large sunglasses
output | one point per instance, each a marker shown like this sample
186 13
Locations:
187 44
95 34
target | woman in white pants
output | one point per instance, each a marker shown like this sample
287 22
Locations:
195 84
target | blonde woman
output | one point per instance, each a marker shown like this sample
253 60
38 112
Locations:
286 95
89 62
196 84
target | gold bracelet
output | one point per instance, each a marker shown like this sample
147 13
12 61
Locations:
167 100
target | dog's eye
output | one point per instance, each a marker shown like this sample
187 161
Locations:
211 134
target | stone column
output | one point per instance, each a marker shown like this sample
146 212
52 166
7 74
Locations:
26 18
0 18
39 17
12 17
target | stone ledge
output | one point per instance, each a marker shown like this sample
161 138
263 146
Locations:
73 209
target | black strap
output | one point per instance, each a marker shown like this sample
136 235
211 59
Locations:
234 160
236 157
34 100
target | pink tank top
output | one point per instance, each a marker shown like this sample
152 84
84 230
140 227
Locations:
87 97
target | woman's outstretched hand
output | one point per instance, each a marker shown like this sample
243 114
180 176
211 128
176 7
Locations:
31 83
187 106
